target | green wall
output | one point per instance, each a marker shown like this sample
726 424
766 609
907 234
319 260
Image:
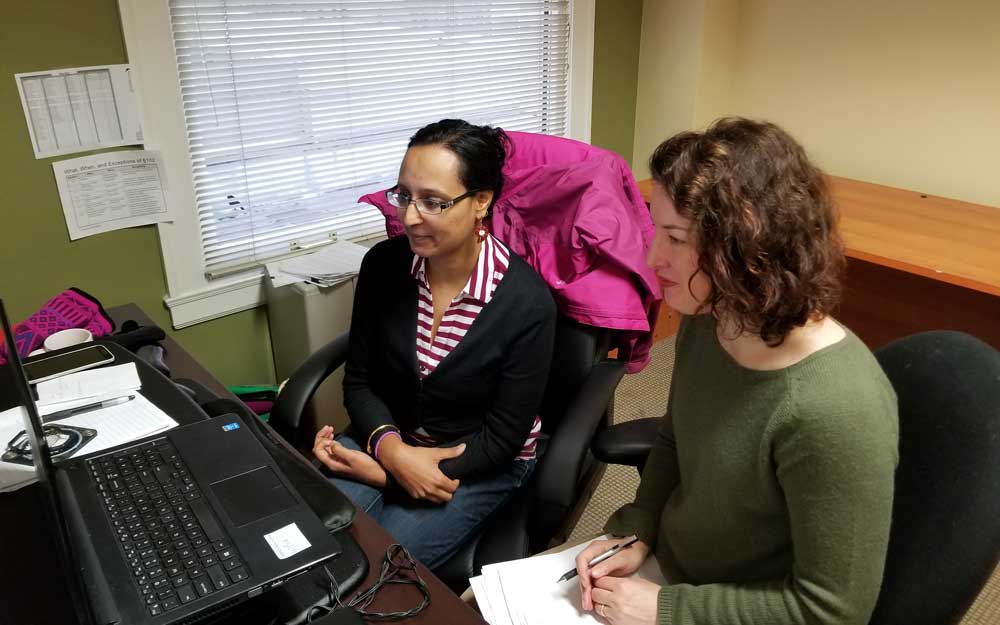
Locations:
37 259
618 26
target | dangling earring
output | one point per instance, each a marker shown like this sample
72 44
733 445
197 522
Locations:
481 231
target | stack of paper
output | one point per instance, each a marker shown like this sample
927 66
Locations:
525 592
87 387
115 425
335 263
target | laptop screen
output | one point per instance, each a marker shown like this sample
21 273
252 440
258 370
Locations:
20 449
20 454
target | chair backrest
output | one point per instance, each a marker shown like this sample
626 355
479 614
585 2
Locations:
577 348
576 405
945 535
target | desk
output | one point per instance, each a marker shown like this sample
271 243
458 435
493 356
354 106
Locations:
31 586
915 262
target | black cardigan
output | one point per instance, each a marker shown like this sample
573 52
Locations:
485 393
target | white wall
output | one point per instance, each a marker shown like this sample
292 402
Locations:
905 94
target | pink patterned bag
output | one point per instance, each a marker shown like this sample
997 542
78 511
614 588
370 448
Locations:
72 308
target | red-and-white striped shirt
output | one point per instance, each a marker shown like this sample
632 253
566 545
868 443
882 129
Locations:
490 268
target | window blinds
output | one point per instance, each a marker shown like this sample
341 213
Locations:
295 108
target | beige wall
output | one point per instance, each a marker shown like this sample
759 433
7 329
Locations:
669 65
616 74
899 93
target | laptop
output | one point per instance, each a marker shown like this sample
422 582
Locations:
172 528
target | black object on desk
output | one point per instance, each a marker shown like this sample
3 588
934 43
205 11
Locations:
100 405
34 601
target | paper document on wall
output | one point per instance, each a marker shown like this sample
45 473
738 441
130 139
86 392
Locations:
525 592
119 424
111 191
80 108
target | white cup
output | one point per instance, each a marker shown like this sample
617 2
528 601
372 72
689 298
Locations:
67 338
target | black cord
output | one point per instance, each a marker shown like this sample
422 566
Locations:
61 440
398 567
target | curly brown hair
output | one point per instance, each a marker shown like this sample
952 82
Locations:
764 222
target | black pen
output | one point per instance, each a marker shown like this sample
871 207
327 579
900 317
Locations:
570 574
72 412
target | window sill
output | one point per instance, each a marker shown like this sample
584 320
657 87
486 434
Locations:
236 294
218 300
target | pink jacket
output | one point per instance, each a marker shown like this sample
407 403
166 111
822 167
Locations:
574 213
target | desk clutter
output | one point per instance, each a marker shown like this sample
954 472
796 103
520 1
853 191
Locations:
333 264
527 592
83 412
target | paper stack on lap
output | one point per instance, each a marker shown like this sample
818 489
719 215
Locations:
525 592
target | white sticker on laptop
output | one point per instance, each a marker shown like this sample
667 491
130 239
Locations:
287 541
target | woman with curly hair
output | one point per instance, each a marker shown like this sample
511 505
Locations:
767 496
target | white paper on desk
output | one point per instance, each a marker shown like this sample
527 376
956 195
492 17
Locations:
122 423
530 595
92 383
115 425
111 191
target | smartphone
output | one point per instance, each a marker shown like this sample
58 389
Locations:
49 367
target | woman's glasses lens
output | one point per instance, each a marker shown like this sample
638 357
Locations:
402 201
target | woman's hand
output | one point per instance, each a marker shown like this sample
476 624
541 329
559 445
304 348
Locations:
625 562
345 462
626 600
416 468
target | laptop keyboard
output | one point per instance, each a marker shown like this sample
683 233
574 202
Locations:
171 540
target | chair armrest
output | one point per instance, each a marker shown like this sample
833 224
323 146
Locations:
556 481
626 443
286 414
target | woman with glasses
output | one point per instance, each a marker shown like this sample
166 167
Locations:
450 344
767 496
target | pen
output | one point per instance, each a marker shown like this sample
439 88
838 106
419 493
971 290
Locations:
570 574
72 412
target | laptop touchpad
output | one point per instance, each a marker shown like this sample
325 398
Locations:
252 496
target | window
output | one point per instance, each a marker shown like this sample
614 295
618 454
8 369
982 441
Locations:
286 111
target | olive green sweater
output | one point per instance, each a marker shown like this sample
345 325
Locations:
767 497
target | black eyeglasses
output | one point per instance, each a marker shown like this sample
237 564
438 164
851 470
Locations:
426 206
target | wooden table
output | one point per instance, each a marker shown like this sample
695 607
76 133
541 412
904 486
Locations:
915 262
25 545
445 606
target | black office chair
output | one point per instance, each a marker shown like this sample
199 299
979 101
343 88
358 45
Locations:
945 534
578 402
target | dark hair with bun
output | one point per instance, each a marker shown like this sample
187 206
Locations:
481 152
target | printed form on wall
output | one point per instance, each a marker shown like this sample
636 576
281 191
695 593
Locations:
78 109
111 191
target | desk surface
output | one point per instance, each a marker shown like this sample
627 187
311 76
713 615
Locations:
939 238
445 606
22 545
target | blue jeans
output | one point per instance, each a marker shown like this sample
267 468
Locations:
432 532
